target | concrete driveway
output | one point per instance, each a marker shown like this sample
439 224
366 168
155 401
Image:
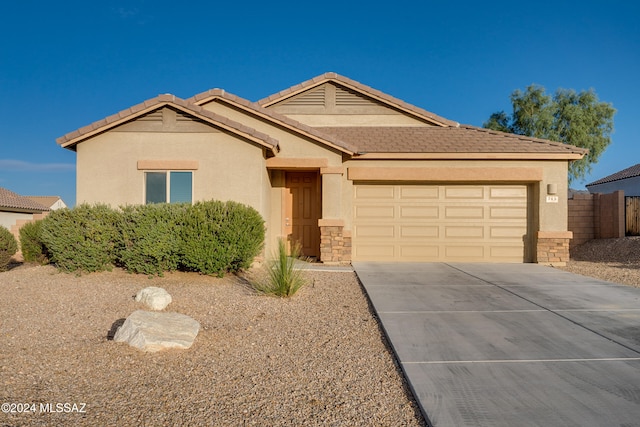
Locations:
511 344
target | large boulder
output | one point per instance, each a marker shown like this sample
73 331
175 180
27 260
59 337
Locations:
154 298
150 331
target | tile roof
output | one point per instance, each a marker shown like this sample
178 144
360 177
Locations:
432 139
629 172
211 94
44 200
12 201
371 92
153 104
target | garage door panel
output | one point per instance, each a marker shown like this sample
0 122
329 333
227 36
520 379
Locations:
498 232
375 192
474 232
419 212
475 223
416 192
462 192
375 212
374 231
504 212
419 252
417 231
459 212
508 192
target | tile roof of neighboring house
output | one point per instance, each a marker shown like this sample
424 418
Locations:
44 200
369 91
13 201
211 94
431 139
629 172
69 140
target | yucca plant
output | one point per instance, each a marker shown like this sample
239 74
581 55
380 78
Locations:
284 277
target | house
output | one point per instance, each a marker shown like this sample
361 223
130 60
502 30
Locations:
52 202
351 173
627 180
17 210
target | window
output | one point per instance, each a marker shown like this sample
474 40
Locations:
174 187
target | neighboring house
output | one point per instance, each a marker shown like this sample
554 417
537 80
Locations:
351 173
627 180
52 202
17 210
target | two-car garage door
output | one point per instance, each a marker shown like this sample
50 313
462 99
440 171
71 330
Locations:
465 223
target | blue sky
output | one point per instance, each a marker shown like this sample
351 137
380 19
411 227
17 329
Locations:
67 64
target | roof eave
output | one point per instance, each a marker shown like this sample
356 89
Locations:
469 156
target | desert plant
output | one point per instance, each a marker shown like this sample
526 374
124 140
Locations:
149 237
8 247
219 237
82 238
33 250
284 276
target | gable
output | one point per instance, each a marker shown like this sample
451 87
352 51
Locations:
165 120
332 104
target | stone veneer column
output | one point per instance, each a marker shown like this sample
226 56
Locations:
552 247
335 242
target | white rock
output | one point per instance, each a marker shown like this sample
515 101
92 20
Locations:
154 298
150 331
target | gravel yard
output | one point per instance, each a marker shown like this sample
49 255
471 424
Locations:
614 260
318 358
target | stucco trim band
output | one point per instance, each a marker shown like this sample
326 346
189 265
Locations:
167 165
296 163
555 234
445 174
330 222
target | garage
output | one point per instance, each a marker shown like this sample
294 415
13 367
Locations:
440 223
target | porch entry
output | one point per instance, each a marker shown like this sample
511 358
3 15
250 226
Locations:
303 209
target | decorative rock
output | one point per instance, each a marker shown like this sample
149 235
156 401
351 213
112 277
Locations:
154 298
150 331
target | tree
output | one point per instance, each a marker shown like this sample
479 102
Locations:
578 119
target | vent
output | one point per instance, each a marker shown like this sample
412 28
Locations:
182 117
154 116
311 98
345 97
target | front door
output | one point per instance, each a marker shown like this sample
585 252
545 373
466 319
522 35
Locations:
303 210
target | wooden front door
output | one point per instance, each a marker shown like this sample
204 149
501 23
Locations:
303 210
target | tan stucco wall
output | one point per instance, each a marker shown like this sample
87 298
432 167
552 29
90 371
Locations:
227 168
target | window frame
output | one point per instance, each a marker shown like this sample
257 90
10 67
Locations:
167 176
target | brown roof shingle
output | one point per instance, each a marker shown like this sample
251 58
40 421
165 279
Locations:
629 172
13 201
432 139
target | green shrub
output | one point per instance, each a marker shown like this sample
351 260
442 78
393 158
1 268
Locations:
8 247
33 250
284 277
149 237
218 237
82 238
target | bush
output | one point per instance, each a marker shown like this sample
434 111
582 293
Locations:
8 247
149 237
33 250
219 237
82 238
284 278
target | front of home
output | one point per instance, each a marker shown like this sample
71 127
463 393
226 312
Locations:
349 172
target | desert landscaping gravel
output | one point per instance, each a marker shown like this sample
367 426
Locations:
318 358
